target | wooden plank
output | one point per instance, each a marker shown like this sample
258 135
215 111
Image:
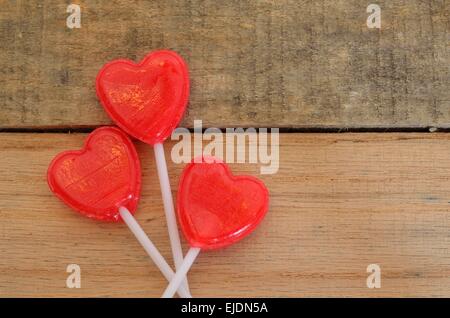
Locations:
338 203
253 63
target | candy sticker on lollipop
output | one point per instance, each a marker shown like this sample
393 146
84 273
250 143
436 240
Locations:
103 181
147 100
216 209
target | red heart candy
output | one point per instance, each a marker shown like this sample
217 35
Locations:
99 178
147 100
217 209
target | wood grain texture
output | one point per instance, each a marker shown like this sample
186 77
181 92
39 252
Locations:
338 203
284 63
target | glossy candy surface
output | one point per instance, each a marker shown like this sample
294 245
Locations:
99 178
147 100
215 208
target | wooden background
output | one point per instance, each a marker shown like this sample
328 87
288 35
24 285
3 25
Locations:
340 201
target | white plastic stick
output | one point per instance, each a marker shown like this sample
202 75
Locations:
171 220
181 272
151 249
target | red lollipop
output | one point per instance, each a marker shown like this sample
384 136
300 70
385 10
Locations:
103 181
100 178
216 209
148 100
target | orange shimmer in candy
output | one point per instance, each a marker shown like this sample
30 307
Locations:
99 178
147 100
217 209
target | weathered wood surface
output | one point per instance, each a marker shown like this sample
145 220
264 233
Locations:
338 203
253 63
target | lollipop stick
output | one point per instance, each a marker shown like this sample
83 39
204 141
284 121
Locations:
151 249
181 272
164 183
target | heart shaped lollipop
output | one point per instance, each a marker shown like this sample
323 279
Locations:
216 209
99 178
103 181
147 100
